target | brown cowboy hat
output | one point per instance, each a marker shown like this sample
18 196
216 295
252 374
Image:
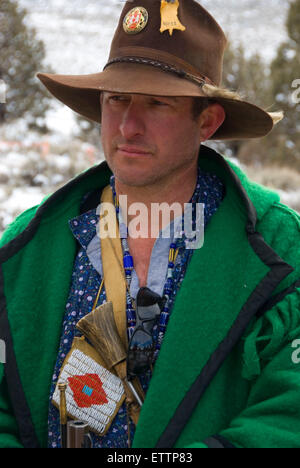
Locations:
164 48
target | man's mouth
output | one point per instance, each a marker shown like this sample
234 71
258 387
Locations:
131 150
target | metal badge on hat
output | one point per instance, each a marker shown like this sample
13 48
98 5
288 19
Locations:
135 20
169 16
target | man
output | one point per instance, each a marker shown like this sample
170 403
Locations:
209 332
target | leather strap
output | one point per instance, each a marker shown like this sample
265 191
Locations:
112 262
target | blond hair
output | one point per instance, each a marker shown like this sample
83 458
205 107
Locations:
215 92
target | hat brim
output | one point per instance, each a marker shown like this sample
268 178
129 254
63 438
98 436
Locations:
82 94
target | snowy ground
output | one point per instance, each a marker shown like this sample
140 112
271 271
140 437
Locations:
37 166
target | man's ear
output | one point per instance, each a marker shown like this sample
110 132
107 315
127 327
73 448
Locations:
210 120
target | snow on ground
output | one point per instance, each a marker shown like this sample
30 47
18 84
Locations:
291 198
36 166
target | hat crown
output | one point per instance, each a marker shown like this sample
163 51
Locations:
199 49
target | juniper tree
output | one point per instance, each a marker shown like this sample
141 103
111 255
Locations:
249 77
21 56
285 73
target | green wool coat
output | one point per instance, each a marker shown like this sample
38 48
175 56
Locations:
225 375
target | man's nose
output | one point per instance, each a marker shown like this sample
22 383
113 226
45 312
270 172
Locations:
132 121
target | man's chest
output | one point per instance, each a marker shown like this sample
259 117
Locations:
141 250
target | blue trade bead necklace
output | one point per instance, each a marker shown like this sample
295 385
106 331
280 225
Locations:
128 268
127 264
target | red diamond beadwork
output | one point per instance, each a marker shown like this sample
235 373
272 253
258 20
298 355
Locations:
87 390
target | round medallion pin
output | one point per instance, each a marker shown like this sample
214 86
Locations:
135 20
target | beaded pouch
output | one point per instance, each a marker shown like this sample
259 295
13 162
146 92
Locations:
94 395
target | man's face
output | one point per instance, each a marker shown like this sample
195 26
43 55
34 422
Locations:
148 139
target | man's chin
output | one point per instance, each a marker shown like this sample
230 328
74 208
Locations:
136 179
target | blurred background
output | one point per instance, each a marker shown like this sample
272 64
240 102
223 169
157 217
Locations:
43 144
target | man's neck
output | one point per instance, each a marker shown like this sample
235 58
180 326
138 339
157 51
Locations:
178 189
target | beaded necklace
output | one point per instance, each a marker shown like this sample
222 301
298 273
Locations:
128 268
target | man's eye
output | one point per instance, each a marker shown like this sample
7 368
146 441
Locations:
157 102
117 98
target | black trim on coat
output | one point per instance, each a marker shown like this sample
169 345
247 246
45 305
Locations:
218 441
258 299
91 201
278 298
18 400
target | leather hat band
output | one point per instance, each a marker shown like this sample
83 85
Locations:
200 81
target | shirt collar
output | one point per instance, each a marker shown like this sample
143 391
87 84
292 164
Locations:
84 227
